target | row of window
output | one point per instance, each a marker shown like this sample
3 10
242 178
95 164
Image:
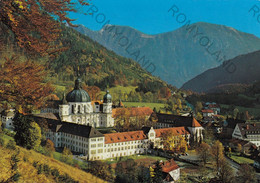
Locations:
125 154
76 149
85 145
85 109
96 151
125 148
74 137
96 139
96 145
125 143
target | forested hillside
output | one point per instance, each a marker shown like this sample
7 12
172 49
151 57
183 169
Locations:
96 65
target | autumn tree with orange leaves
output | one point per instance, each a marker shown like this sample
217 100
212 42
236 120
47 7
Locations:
93 91
36 24
22 83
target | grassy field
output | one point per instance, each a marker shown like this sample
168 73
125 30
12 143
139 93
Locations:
158 106
30 174
136 158
119 92
7 138
240 159
252 111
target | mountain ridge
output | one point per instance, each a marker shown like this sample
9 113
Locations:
168 51
247 66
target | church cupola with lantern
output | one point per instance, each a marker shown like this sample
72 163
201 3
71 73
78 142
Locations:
77 108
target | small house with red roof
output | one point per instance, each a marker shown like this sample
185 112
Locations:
213 106
170 170
207 112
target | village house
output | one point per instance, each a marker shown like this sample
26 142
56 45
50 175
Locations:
170 170
247 147
6 117
207 112
228 127
248 131
212 106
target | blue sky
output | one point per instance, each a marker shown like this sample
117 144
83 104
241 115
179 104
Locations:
152 17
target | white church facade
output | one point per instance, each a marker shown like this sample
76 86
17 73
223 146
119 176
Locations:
76 108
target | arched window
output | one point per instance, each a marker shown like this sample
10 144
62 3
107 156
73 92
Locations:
78 108
72 109
85 108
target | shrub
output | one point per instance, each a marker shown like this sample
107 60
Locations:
55 172
25 159
2 142
46 169
66 178
15 177
8 132
42 150
14 161
40 169
50 145
35 163
11 145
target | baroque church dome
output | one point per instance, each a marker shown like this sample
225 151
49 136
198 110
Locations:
78 94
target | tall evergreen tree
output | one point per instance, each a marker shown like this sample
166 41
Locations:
28 132
158 174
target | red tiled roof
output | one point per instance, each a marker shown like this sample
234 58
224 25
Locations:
169 166
195 123
175 130
213 106
124 137
207 111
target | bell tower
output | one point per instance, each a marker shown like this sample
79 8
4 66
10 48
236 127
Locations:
107 103
64 108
